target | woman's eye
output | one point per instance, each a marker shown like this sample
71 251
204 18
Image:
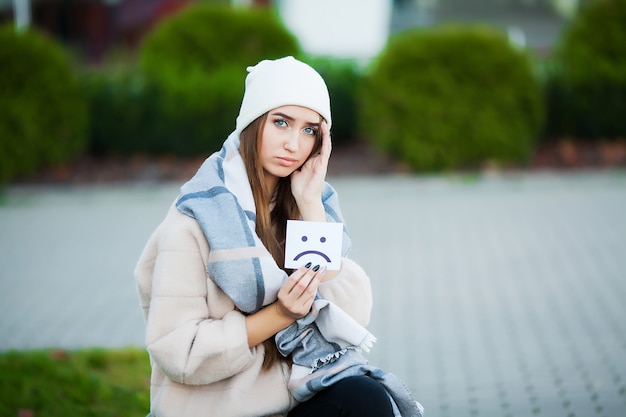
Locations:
309 131
280 123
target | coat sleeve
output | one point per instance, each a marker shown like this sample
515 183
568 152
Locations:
184 341
350 290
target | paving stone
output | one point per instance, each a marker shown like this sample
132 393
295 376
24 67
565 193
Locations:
494 296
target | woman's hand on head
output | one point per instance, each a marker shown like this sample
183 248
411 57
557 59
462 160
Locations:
297 294
308 182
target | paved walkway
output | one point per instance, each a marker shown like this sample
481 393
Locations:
494 296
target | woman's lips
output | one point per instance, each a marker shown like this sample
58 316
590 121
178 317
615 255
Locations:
286 162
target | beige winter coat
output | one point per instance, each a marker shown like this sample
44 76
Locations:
197 341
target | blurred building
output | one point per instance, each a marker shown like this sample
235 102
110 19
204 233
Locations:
346 28
532 23
358 29
93 27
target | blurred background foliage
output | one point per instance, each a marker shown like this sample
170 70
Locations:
87 382
43 117
184 93
437 98
586 78
452 97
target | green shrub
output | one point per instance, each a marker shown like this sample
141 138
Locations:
123 112
342 78
196 63
452 97
132 113
586 84
206 37
198 110
43 118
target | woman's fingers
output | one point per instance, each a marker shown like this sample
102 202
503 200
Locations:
326 142
303 281
295 277
298 293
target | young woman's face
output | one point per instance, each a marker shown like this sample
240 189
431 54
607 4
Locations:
287 140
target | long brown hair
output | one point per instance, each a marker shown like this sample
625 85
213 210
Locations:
271 223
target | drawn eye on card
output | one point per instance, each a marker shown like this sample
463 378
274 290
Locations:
315 242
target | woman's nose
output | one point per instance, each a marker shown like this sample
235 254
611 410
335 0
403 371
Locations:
291 141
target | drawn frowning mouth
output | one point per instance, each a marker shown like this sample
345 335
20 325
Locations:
308 252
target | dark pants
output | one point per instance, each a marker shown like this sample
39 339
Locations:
357 396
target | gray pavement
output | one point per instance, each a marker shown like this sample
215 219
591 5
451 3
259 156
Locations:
494 295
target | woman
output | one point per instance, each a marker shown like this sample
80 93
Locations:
215 300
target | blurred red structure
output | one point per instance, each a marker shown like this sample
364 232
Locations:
91 28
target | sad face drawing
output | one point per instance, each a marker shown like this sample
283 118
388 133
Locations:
315 242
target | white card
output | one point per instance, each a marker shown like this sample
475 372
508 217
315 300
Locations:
315 242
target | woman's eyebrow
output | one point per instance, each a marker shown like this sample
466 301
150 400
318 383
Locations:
291 118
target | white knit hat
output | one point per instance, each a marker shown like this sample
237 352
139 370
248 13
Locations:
282 82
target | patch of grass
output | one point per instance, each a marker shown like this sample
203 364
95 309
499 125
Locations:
89 382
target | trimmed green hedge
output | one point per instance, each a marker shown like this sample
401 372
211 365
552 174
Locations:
586 82
43 119
124 115
452 97
206 37
130 113
133 114
195 63
342 78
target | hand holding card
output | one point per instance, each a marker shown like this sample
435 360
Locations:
315 242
